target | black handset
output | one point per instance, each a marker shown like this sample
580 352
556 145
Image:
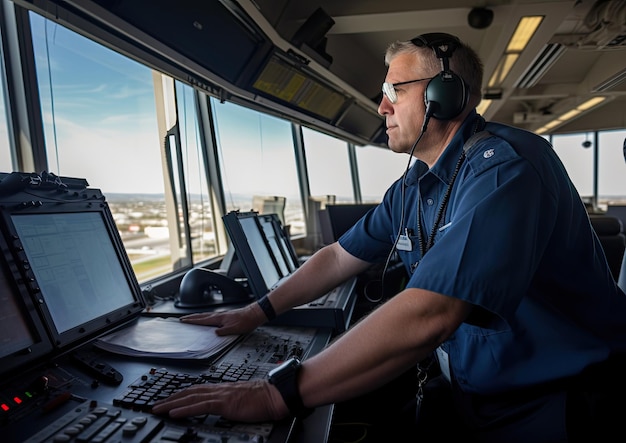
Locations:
204 287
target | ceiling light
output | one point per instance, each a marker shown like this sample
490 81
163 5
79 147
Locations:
482 106
502 70
591 103
524 31
571 114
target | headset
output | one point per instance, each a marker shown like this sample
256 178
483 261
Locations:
446 94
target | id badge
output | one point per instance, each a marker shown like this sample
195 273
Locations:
404 243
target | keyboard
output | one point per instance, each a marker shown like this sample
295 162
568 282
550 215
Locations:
251 359
328 299
161 383
92 422
127 418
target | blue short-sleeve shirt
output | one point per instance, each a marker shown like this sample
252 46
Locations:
516 242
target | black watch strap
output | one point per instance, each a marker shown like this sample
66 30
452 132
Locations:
285 378
267 308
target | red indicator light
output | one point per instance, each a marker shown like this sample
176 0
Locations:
17 400
4 407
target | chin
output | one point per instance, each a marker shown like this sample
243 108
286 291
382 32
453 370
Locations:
398 149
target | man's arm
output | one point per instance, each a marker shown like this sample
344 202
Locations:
325 270
400 333
390 340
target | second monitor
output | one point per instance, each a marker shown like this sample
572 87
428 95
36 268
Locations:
267 258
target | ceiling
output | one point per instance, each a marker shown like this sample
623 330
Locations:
587 37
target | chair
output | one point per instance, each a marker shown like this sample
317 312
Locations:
610 232
621 281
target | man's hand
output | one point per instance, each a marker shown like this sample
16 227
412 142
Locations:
250 401
235 321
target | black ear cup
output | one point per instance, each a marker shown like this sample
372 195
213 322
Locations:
447 95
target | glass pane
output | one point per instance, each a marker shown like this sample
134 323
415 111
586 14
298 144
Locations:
200 213
611 167
577 159
100 124
378 169
257 159
328 166
6 164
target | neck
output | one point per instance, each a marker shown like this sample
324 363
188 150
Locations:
435 141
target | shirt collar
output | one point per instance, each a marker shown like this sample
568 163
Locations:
445 165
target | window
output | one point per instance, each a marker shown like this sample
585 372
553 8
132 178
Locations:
328 166
101 122
257 159
611 167
577 159
201 220
6 164
378 169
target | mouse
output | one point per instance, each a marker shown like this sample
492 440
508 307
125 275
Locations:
202 287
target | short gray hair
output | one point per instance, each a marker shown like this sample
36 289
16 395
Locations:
464 62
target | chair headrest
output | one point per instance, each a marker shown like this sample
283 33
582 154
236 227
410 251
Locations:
605 224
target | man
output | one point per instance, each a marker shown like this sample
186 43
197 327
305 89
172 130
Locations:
508 284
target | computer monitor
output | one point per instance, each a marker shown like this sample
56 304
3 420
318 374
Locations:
72 256
23 337
335 220
254 251
279 242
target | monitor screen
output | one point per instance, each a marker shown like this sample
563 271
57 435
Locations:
291 84
335 220
14 332
253 251
79 269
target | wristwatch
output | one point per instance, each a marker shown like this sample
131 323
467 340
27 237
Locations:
284 377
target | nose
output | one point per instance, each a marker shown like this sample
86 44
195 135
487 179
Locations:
385 106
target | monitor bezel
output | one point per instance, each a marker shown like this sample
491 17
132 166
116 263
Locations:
41 346
97 326
286 247
245 254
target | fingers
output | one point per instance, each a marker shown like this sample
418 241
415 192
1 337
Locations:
207 319
187 404
240 401
243 401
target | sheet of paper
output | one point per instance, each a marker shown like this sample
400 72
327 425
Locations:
166 338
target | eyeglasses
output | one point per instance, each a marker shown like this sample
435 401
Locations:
389 89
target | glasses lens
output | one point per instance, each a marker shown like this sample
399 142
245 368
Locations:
390 92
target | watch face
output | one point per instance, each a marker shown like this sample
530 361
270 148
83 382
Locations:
288 367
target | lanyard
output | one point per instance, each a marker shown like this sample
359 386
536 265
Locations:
426 245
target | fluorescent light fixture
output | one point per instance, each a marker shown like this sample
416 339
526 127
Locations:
591 103
482 106
502 70
571 114
524 31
